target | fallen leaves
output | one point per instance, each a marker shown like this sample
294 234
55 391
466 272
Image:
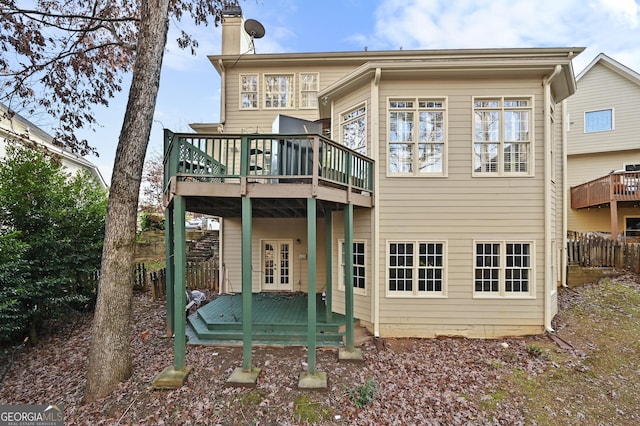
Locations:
417 381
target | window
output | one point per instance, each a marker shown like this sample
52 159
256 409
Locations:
416 268
503 269
502 136
417 136
309 91
278 91
359 266
598 121
632 227
354 129
249 91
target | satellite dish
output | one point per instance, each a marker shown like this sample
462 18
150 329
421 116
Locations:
254 28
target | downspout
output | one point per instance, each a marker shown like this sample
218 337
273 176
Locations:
548 276
375 150
565 192
223 92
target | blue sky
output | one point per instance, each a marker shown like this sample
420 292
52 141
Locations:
190 87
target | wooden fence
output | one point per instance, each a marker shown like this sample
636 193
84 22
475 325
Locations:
140 278
200 276
593 251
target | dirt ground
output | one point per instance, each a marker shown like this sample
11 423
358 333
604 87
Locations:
446 381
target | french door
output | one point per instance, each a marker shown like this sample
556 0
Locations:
276 265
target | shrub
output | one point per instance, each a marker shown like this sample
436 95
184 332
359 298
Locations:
55 223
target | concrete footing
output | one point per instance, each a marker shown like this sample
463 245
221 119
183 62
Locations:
354 355
170 378
317 380
242 378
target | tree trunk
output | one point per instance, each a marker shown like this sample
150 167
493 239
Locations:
110 354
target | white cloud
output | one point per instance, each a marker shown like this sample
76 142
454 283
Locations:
624 11
609 26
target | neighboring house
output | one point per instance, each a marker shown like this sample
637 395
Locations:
18 129
442 169
603 153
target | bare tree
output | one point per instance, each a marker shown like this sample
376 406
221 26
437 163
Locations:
64 57
152 177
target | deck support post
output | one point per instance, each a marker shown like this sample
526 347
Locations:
312 379
350 352
169 257
614 219
328 265
175 376
179 287
246 283
311 269
348 275
246 376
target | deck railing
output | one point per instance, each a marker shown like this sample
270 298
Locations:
227 158
620 186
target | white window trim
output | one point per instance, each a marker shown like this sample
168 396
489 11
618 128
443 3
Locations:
366 124
532 138
360 291
292 94
300 91
257 76
613 120
445 142
502 294
415 293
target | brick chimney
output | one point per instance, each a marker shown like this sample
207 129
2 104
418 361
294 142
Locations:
235 40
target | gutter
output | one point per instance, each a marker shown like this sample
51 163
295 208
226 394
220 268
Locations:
548 236
223 92
375 136
565 192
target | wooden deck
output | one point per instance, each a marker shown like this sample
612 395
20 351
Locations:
278 319
278 172
614 187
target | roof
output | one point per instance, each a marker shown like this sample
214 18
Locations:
539 62
613 65
35 134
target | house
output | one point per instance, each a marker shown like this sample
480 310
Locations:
420 191
603 152
17 129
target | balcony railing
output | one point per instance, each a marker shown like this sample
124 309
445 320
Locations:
262 158
618 186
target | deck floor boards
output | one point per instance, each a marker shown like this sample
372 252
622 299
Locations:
277 318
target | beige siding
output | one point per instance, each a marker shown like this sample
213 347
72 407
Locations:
602 88
271 229
460 209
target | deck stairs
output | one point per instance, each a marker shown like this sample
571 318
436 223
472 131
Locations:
203 247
